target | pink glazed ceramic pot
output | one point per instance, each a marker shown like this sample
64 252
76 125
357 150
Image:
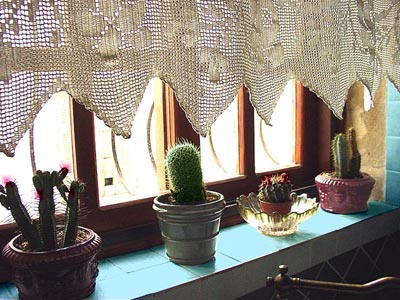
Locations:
344 196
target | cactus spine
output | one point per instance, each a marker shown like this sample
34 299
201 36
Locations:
184 172
41 233
346 158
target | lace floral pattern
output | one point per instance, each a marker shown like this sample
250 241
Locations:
104 52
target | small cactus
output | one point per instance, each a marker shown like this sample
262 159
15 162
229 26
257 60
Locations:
346 158
41 233
184 173
276 189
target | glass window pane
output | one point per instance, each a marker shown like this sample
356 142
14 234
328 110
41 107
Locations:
220 149
52 134
130 168
49 147
275 145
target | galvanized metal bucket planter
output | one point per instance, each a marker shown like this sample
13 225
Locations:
190 231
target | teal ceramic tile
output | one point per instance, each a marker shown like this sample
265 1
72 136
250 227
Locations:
191 291
108 270
392 153
240 229
225 285
387 224
137 260
323 248
244 244
324 222
138 284
215 265
220 262
282 242
256 270
393 188
298 258
392 117
391 92
8 291
348 238
160 250
375 208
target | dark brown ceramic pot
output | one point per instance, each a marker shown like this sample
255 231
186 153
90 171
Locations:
66 273
344 196
283 208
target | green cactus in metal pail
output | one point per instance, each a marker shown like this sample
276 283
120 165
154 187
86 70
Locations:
184 173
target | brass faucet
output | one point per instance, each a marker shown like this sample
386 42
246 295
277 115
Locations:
284 284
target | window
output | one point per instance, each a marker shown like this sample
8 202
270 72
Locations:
132 168
275 145
220 149
123 176
47 145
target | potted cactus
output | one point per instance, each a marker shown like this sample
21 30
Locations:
346 190
53 257
189 216
275 194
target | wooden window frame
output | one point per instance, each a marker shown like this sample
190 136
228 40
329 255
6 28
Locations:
133 225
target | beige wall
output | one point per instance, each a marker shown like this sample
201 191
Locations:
371 133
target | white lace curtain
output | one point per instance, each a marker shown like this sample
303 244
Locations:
104 52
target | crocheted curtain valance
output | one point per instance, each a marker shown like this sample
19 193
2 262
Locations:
104 52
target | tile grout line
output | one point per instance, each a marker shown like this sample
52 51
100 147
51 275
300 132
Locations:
351 263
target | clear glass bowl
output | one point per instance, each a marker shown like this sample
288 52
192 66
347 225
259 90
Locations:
276 224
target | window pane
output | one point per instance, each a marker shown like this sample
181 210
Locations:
51 144
220 149
275 145
128 168
52 134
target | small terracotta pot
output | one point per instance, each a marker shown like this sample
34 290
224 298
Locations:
344 196
282 208
66 273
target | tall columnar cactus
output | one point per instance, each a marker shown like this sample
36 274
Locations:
339 152
355 160
346 158
184 172
41 233
11 200
71 214
43 182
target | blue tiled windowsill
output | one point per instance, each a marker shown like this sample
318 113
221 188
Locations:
244 257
